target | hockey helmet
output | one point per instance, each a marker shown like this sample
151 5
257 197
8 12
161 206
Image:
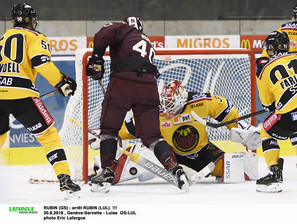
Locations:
173 98
134 21
276 42
23 14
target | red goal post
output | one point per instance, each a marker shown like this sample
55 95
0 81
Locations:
226 72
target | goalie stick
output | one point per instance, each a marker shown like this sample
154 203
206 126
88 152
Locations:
147 164
218 125
143 162
150 166
203 173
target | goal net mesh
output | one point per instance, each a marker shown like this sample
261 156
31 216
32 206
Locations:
221 72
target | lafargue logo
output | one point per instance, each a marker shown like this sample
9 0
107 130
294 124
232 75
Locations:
23 209
185 138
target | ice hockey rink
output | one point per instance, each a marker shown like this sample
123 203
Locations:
153 201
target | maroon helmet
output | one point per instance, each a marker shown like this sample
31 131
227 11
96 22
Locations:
134 21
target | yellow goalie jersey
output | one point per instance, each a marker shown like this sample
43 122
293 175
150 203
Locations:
186 135
23 54
277 83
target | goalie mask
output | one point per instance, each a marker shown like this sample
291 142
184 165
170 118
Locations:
134 21
173 98
23 15
276 42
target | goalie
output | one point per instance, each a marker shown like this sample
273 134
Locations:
189 139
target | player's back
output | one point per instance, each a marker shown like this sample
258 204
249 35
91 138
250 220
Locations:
18 45
130 48
279 77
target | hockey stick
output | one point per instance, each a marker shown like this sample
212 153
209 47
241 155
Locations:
46 95
203 173
51 93
103 90
147 164
218 125
150 166
141 161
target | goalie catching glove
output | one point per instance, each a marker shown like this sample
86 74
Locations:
67 86
249 137
95 68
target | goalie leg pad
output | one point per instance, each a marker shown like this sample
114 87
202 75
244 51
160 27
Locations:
233 167
251 166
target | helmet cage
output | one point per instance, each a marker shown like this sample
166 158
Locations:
173 98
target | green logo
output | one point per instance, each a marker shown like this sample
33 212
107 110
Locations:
29 210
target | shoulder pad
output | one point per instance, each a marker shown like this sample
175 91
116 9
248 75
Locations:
197 96
262 61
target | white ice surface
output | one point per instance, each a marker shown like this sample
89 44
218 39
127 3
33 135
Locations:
209 202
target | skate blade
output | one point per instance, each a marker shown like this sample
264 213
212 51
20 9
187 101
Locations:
272 188
70 195
186 185
103 188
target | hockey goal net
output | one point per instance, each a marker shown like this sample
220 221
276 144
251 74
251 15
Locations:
225 72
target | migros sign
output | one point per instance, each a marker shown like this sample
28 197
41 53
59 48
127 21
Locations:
203 43
209 41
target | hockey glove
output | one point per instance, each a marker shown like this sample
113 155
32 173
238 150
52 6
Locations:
95 68
260 63
67 86
250 137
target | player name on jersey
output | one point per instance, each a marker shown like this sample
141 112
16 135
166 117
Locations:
10 67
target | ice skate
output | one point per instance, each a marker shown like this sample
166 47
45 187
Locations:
68 187
102 181
272 182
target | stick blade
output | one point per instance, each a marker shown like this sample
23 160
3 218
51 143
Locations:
198 118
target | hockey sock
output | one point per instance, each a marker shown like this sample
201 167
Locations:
163 151
50 140
270 151
108 149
